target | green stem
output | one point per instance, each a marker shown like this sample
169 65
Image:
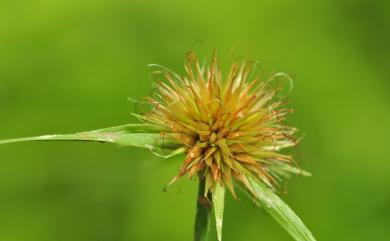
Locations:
203 214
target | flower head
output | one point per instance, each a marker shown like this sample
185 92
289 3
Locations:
231 127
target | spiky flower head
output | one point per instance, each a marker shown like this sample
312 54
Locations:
231 127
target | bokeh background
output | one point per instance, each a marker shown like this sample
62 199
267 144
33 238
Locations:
67 66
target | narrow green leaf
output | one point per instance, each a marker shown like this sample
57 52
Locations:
128 139
219 203
139 135
178 151
286 167
133 128
280 211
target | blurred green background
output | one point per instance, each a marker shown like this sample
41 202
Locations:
67 66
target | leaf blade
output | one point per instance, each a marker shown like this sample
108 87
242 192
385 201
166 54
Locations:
219 203
146 136
139 135
128 139
280 211
132 128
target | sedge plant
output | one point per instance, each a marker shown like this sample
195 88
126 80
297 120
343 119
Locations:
230 130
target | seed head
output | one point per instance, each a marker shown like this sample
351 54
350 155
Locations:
232 126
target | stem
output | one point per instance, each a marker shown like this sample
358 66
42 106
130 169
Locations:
203 214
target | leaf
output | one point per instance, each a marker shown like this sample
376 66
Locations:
133 128
280 211
286 167
219 203
137 135
129 139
